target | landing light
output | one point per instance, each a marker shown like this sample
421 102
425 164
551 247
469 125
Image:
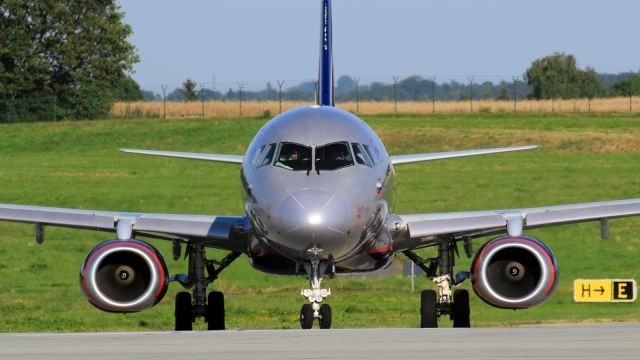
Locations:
314 219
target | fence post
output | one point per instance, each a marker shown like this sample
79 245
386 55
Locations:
280 83
240 87
357 80
433 94
55 111
471 91
515 94
630 102
202 98
164 101
395 94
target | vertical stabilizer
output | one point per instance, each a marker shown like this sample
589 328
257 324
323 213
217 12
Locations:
325 77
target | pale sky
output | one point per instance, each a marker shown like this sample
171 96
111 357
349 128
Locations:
253 41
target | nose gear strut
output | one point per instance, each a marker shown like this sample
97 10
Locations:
315 269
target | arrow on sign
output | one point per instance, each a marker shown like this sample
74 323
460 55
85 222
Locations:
601 290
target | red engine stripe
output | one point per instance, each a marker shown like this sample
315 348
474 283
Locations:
381 250
548 258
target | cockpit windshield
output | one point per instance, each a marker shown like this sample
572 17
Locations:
293 156
333 156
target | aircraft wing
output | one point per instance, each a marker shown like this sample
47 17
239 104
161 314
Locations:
413 158
420 230
223 232
232 159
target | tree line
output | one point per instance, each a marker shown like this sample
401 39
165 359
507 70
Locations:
556 76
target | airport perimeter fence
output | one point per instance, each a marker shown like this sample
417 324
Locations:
370 96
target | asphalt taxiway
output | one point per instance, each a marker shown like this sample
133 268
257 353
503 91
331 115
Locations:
583 342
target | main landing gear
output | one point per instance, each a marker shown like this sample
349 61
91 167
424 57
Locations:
211 307
315 294
443 301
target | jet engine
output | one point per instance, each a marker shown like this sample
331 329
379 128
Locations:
514 272
124 276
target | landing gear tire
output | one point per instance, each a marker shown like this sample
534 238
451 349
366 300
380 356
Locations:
428 309
325 316
215 311
306 316
460 309
184 312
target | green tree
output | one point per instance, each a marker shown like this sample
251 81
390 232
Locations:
503 93
488 91
627 87
558 76
76 51
128 90
188 90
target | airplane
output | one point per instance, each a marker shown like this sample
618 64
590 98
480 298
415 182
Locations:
319 198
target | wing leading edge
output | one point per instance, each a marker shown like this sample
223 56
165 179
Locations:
231 159
215 231
422 229
413 158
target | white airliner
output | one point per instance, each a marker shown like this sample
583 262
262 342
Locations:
319 201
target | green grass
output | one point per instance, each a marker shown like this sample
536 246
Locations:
585 157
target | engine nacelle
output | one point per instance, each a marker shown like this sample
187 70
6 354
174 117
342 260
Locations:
514 272
124 276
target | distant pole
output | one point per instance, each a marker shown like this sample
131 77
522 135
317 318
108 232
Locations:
395 93
280 84
515 93
357 81
240 87
433 94
589 102
164 101
471 91
202 98
630 102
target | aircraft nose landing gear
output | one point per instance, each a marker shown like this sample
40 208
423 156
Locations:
315 294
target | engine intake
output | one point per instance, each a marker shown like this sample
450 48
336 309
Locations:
124 276
514 272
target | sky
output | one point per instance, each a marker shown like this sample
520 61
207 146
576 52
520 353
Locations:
253 41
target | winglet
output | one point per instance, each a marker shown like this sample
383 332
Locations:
325 96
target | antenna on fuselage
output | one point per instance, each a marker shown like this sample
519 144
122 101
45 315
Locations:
324 93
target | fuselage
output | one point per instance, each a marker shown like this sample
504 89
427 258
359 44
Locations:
317 182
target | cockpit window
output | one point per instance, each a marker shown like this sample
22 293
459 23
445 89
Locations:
333 156
361 155
294 157
266 154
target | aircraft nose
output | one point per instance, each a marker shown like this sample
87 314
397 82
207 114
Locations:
315 218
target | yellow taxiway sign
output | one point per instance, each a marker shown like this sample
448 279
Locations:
605 290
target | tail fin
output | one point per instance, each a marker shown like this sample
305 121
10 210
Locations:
325 78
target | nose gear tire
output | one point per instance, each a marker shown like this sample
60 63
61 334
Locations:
325 316
306 316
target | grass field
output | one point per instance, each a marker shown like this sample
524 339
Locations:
179 109
583 157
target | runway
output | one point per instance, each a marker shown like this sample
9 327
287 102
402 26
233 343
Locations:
583 342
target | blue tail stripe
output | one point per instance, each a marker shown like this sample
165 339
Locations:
325 81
